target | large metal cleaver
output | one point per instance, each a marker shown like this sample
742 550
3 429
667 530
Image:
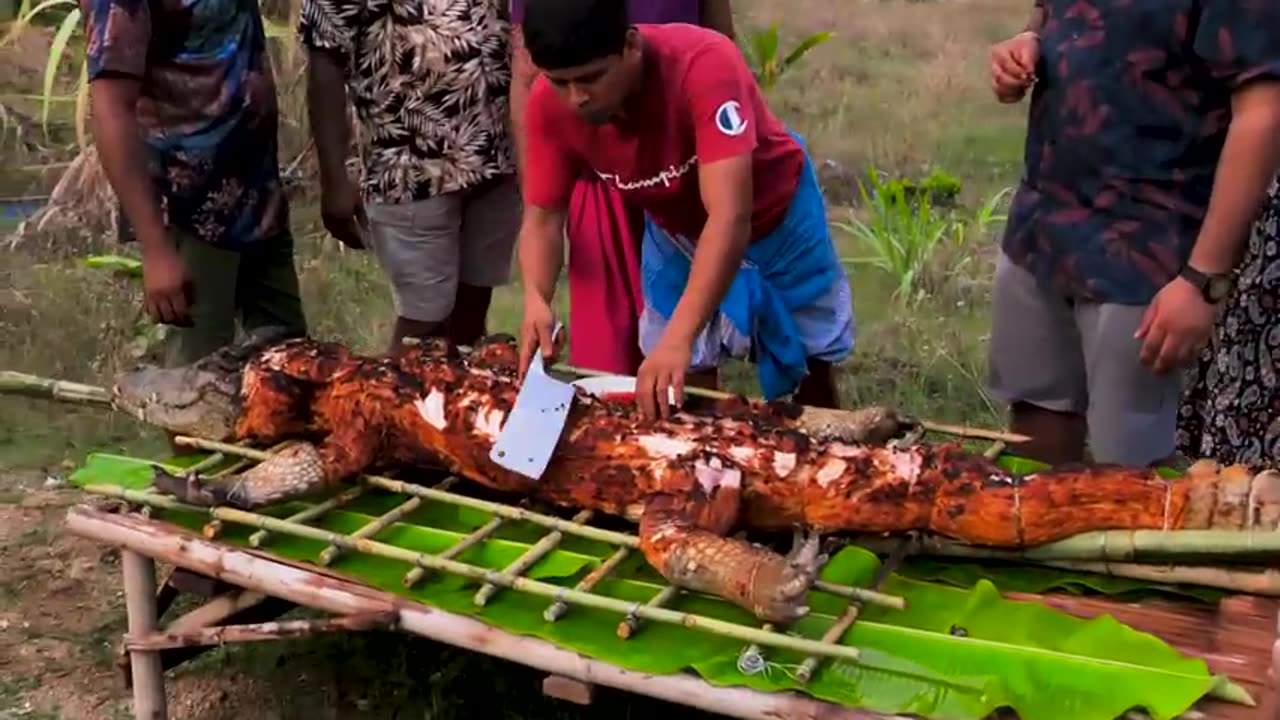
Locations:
535 424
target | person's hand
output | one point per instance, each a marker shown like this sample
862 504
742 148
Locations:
168 292
1013 66
661 375
343 215
537 332
1175 327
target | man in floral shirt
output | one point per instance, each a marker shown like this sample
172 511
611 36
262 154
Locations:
439 203
1154 130
184 120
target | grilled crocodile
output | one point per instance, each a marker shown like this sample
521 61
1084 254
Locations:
688 481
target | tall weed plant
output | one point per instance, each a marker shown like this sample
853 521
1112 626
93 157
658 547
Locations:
904 233
768 64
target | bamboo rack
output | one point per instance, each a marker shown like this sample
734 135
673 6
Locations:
513 581
362 541
143 539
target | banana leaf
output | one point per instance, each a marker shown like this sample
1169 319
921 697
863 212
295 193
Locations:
1020 577
953 653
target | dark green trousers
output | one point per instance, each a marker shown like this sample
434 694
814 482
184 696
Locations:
254 287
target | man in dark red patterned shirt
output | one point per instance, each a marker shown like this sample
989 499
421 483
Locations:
1154 129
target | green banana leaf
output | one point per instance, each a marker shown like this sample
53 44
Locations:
953 653
1027 466
120 264
1021 577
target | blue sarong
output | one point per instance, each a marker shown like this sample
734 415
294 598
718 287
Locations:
789 302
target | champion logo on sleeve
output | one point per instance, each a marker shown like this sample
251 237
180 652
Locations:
728 120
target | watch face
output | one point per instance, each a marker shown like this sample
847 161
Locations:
1218 288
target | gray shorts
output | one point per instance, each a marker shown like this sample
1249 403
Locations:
1082 358
429 246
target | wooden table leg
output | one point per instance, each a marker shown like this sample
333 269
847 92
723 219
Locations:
140 603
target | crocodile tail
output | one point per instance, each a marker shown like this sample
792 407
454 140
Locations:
1012 511
1002 509
1231 497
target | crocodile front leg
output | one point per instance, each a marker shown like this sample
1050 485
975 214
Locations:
298 471
684 538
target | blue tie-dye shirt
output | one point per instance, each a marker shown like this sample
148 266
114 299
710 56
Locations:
207 108
1128 117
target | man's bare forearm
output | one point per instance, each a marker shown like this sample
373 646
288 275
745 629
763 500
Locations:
1249 160
716 259
541 250
522 75
118 137
327 114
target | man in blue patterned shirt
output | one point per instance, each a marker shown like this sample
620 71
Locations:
184 120
1154 129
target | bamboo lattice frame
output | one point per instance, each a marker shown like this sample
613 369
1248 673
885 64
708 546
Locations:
751 660
363 541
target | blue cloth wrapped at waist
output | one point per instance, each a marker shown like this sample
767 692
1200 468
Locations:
793 267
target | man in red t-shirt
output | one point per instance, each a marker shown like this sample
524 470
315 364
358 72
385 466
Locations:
737 260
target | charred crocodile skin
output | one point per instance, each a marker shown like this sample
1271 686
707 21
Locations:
688 481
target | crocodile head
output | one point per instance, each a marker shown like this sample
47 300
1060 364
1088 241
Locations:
201 399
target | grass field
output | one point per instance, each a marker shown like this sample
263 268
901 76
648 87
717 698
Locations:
901 88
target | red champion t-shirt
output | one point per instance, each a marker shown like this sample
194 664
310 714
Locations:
699 103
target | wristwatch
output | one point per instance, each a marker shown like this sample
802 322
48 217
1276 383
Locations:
1214 287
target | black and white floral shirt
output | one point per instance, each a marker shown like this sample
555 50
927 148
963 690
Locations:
429 80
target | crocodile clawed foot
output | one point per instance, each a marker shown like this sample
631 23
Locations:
191 489
787 600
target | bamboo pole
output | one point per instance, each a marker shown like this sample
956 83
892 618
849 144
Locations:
944 428
24 384
260 537
16 383
304 586
479 535
631 622
557 609
332 552
471 572
149 701
1258 582
1119 545
277 630
832 635
521 514
1246 579
216 610
526 560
